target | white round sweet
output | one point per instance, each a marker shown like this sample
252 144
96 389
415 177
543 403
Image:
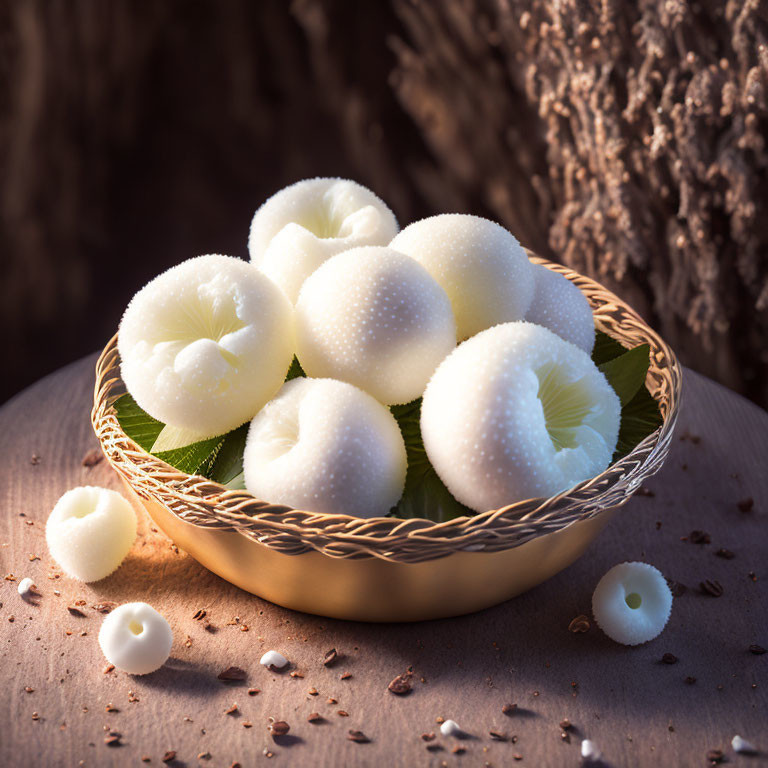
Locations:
451 728
90 531
479 264
136 638
632 603
517 413
375 318
305 224
326 446
560 306
273 659
204 345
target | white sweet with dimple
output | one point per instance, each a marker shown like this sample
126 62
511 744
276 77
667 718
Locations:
136 638
632 603
273 659
560 306
204 345
517 413
303 225
375 318
479 264
326 446
90 531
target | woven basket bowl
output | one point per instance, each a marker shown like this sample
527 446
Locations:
386 569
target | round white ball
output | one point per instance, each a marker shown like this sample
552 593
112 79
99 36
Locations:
632 603
90 531
375 318
517 413
325 446
136 638
479 264
560 306
204 345
303 225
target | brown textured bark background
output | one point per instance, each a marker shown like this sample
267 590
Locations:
624 139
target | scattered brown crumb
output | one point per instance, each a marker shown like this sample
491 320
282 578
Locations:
112 740
297 674
132 697
726 554
108 668
111 708
342 713
188 642
752 576
146 759
439 719
247 724
331 700
711 587
669 658
232 674
746 505
459 750
315 717
200 614
204 756
434 747
279 728
690 680
715 756
645 492
579 624
92 458
29 690
254 691
677 588
10 577
517 756
169 756
428 736
345 676
232 710
401 685
496 736
107 606
75 611
330 658
699 537
312 691
508 709
358 737
34 460
35 716
32 558
758 650
565 724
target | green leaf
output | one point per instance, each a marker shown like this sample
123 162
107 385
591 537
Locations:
295 371
425 494
626 373
194 459
639 418
229 460
137 423
606 348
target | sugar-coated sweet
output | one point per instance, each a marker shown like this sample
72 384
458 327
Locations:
560 306
90 531
326 446
632 603
375 318
303 225
136 638
479 264
517 413
204 345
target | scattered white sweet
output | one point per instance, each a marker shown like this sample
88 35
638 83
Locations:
632 603
479 264
136 638
305 224
326 446
375 318
451 728
204 345
742 746
273 659
27 589
90 531
560 306
589 751
517 413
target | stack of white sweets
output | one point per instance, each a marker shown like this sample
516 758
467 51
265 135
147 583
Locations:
517 410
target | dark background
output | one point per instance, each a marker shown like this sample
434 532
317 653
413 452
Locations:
627 140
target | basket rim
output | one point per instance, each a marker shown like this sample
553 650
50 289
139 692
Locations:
206 503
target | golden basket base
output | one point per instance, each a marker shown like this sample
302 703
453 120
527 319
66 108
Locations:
372 589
